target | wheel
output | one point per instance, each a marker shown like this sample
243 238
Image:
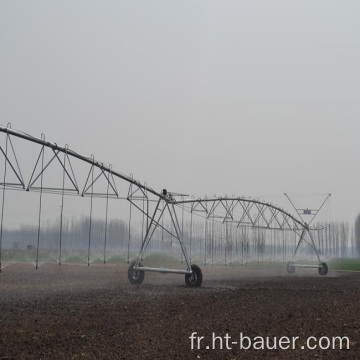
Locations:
290 268
135 276
195 278
323 270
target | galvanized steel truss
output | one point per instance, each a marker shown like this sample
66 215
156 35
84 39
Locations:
236 211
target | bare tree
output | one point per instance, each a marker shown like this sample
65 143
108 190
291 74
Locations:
344 235
357 235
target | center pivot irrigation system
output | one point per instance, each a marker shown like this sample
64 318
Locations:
153 205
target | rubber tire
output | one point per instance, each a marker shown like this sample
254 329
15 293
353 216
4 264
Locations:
136 277
194 279
290 268
324 269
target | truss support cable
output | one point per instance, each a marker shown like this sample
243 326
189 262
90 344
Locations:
205 248
275 244
191 231
62 211
129 236
3 203
272 251
242 246
231 245
162 229
284 247
91 210
226 241
182 227
40 206
143 219
212 240
106 220
236 243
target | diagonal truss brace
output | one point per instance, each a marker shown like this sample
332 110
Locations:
15 168
306 231
71 176
109 179
164 204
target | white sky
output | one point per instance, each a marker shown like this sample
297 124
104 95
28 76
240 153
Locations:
252 98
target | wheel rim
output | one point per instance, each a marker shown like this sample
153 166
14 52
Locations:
135 274
193 278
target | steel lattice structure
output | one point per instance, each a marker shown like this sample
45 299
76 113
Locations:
236 211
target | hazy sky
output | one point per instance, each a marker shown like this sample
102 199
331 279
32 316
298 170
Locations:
252 98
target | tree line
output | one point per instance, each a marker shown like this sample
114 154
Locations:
209 241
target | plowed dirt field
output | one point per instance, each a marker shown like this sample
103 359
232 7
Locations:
80 312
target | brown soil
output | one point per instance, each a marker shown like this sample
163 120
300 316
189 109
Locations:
80 312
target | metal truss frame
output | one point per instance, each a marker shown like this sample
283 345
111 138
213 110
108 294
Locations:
237 211
244 212
253 213
164 203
